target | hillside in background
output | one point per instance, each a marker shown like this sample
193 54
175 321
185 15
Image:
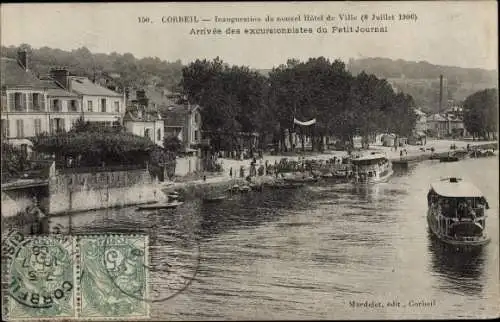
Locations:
133 72
421 79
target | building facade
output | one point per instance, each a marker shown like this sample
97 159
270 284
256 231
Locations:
31 105
144 120
25 111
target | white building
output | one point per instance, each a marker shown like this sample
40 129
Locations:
24 101
143 123
97 104
31 106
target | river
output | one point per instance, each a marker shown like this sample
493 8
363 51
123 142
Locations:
305 254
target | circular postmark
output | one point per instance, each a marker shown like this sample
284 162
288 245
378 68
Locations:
170 263
40 274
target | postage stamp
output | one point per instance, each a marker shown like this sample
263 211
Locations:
112 276
41 280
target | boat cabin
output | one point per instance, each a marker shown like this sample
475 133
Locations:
457 208
371 167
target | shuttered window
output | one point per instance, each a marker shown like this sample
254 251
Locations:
29 102
20 128
5 128
11 101
38 126
36 101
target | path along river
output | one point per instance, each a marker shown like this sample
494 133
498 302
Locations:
305 254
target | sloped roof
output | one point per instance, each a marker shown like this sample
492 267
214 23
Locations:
54 90
175 115
83 85
436 117
13 75
133 115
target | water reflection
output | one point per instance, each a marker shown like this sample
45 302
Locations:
254 208
459 270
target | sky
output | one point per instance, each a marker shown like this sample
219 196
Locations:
462 33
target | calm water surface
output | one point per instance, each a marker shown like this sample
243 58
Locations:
305 254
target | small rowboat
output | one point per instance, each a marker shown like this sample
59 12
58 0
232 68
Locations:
301 180
160 205
214 199
285 185
449 159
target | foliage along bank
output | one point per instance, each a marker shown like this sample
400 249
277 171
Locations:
237 99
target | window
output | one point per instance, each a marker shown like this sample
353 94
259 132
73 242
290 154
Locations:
196 135
38 126
58 125
56 105
36 98
103 105
117 107
19 102
73 105
158 135
90 108
19 128
147 133
5 128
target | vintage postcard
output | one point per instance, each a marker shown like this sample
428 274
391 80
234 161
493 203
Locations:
249 161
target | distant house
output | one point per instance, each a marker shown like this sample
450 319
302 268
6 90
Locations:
446 125
145 123
184 122
181 119
143 119
64 107
99 104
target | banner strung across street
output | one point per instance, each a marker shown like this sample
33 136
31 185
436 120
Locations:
307 123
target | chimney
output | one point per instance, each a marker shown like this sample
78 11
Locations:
141 97
23 59
61 75
440 93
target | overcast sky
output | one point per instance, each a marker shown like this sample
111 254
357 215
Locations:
446 33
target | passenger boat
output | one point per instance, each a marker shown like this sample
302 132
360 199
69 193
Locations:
372 168
160 205
457 213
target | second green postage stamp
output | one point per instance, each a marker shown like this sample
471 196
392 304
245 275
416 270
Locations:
112 276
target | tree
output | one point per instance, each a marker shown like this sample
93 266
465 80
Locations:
93 147
481 113
172 144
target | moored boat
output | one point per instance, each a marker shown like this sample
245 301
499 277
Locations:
303 179
160 205
214 199
371 168
457 213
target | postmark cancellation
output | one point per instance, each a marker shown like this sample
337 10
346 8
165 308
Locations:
83 277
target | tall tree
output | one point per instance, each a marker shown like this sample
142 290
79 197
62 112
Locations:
481 113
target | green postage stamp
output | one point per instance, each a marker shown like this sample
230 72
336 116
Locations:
87 277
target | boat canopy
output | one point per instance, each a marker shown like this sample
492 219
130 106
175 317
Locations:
456 189
373 156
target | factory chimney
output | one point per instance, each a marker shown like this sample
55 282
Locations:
440 93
